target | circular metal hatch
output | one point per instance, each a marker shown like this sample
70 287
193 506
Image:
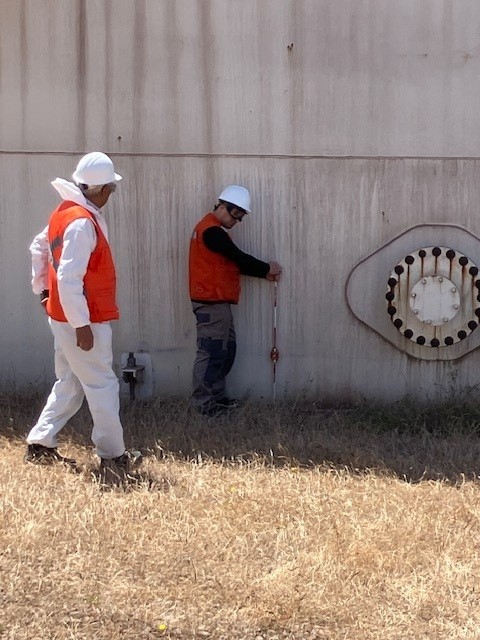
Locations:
433 296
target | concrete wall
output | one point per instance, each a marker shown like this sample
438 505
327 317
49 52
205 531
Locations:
349 120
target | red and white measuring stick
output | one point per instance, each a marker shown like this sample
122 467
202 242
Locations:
274 353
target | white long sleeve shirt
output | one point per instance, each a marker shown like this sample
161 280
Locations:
79 241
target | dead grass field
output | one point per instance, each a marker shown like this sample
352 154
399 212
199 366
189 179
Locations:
296 522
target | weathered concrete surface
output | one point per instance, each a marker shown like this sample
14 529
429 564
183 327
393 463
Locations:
190 96
356 77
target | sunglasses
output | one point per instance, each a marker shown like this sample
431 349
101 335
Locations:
238 216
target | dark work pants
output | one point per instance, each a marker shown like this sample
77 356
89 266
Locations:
216 348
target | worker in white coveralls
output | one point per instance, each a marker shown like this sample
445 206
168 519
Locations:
215 266
73 271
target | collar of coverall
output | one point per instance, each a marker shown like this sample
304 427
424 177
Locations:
69 191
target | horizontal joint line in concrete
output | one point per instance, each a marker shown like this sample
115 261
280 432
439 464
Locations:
237 155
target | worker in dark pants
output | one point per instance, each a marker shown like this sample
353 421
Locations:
216 264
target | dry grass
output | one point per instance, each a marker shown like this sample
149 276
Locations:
299 522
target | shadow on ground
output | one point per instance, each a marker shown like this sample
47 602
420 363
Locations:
402 439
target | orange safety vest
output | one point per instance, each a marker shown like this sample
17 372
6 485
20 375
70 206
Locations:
99 280
213 278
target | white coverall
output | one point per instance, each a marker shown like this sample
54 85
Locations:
79 373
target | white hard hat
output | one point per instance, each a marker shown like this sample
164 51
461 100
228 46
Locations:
95 169
234 194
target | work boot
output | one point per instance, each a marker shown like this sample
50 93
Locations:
213 411
38 454
115 471
228 403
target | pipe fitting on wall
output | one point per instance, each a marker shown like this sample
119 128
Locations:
133 374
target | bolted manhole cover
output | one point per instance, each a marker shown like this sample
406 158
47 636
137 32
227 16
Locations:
433 296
